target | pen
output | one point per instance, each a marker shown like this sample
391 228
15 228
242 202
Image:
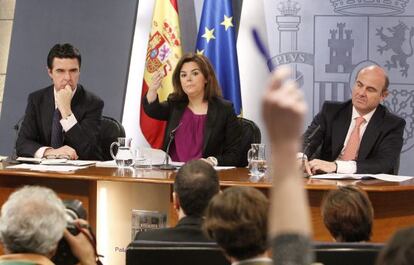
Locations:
265 52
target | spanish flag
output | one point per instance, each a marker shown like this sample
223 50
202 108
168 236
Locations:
163 52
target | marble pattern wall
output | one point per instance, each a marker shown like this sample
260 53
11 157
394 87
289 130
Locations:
6 24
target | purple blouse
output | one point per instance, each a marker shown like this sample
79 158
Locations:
188 141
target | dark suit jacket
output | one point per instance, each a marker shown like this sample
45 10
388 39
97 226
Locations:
222 136
188 229
36 128
380 145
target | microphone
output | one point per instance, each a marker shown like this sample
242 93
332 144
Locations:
308 142
310 136
167 165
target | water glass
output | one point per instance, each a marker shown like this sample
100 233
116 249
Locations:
142 159
256 157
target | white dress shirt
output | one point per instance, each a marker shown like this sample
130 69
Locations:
350 167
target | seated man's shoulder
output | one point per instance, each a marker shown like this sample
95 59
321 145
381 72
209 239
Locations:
331 109
90 96
335 105
391 120
37 94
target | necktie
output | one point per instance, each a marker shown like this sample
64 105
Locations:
352 147
56 140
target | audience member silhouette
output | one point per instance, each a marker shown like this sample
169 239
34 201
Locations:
399 250
237 220
33 220
347 213
195 184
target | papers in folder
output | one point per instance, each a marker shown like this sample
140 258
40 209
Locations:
40 167
57 162
384 177
57 165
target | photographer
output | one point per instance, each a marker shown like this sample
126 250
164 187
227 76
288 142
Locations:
32 222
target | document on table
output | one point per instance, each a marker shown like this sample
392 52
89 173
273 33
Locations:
109 163
223 167
57 161
384 177
40 167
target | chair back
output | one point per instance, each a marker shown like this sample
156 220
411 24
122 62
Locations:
141 252
347 253
111 129
250 134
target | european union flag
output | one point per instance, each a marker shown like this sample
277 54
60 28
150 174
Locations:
216 40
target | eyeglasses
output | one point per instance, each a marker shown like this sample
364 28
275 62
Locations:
58 157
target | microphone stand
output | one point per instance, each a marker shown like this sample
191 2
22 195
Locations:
12 158
167 165
309 141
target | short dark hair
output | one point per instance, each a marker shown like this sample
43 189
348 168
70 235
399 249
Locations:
62 51
399 250
237 220
347 213
212 88
195 184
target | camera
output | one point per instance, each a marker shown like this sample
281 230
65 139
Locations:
64 255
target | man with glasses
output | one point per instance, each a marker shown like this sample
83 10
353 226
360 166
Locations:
62 120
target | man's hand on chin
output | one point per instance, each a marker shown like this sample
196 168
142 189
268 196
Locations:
322 166
63 101
61 152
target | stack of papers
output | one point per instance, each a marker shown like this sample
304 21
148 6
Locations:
384 177
110 163
57 165
58 161
39 167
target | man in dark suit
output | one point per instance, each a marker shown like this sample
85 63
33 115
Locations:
195 184
357 136
62 120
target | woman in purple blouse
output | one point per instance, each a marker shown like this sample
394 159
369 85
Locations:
207 126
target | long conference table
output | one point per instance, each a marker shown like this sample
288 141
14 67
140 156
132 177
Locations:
109 195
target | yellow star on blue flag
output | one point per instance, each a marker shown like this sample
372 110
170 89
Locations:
208 34
227 22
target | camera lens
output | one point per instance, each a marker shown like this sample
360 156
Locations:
74 210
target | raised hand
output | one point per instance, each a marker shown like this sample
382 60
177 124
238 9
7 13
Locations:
284 108
155 85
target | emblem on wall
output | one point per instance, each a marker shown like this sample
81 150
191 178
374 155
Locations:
352 35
